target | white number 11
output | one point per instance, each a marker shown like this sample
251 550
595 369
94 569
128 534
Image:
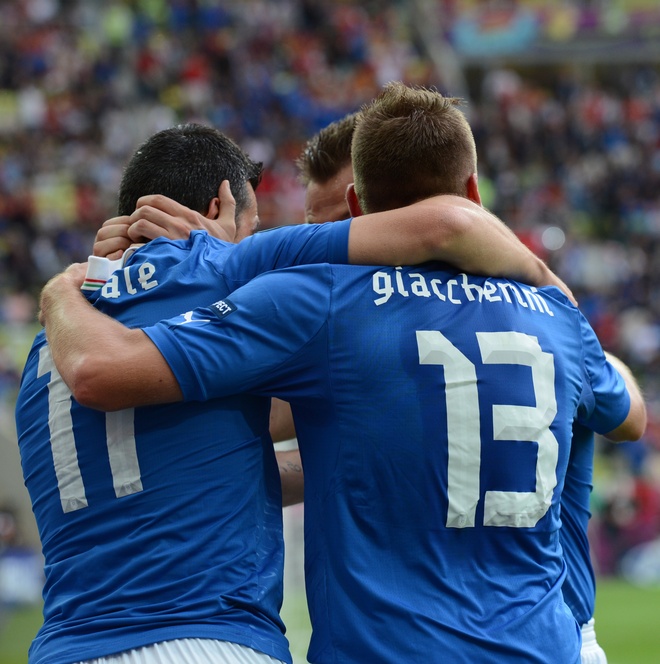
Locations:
521 423
120 441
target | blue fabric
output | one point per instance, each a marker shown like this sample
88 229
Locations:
387 370
192 547
580 585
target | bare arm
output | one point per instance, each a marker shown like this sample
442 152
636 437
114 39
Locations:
288 461
281 421
110 366
633 427
443 228
291 476
450 229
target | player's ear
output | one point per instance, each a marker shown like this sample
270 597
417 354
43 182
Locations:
473 189
213 211
352 200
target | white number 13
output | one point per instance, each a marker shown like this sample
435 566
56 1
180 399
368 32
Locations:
521 423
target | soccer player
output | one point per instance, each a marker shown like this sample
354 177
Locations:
161 527
327 171
433 410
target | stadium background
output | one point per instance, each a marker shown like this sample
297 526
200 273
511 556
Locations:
564 99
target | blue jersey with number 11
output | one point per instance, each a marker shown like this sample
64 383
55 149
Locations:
164 522
434 414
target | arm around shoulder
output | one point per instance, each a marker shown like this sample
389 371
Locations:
452 229
105 365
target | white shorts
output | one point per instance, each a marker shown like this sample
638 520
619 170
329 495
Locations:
188 651
591 652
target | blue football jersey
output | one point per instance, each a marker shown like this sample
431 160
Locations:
580 585
163 522
434 414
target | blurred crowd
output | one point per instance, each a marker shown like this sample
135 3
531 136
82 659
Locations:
569 157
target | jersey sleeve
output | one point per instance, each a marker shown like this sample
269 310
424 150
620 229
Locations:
259 340
301 244
605 400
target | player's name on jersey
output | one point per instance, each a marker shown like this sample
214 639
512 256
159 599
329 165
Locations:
121 282
458 290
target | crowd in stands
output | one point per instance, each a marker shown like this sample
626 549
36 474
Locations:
570 159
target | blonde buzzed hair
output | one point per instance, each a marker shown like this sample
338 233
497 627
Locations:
410 143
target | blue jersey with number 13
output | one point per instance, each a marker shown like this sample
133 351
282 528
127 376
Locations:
434 414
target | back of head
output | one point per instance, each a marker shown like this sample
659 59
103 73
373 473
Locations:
409 144
188 163
327 152
326 171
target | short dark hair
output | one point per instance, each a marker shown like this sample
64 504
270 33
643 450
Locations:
327 152
410 143
187 163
